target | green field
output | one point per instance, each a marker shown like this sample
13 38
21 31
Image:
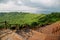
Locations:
29 18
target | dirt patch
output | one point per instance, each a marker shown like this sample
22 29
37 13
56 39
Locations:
10 36
50 32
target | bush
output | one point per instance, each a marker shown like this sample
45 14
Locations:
34 24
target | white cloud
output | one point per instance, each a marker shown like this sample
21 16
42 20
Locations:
47 3
11 6
30 5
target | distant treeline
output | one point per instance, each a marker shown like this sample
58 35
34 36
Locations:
28 19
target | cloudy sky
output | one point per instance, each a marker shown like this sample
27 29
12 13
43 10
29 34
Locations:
34 6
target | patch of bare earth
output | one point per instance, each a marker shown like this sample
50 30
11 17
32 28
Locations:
50 32
10 36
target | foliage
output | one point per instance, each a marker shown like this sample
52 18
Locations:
29 18
49 18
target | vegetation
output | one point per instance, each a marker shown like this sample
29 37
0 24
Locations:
49 18
29 18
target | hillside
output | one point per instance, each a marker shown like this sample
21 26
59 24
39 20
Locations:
50 32
19 18
30 19
49 27
46 33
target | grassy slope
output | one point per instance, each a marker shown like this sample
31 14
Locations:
20 18
50 18
27 18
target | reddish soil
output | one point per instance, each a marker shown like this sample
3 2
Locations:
50 32
51 29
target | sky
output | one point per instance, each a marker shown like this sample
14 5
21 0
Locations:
33 6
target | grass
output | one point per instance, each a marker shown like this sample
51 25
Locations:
29 18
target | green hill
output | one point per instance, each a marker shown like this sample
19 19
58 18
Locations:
49 18
30 18
19 18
